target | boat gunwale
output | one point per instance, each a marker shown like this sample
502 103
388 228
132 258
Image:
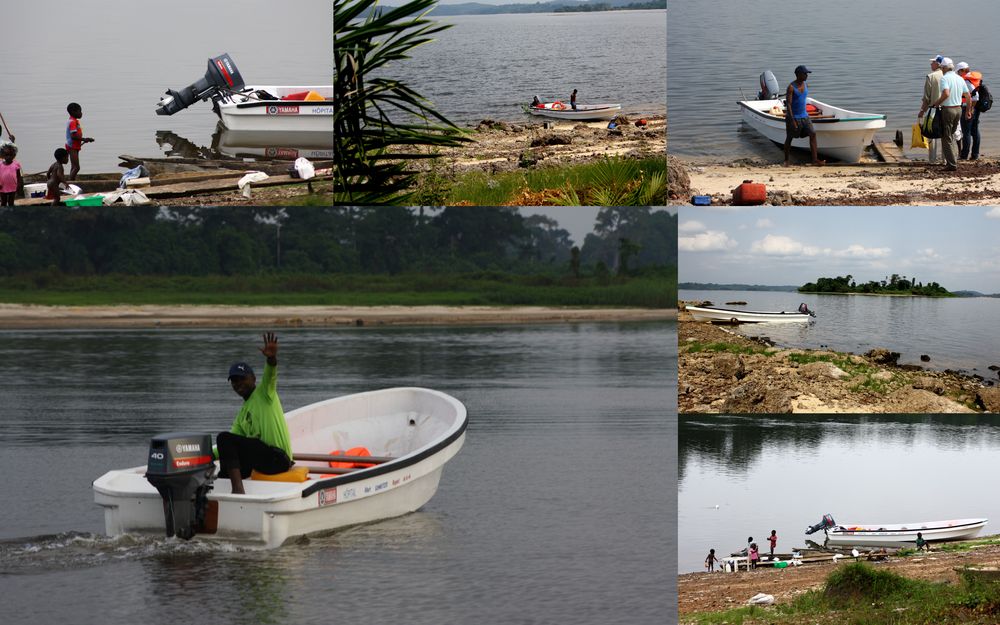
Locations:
748 312
842 529
775 118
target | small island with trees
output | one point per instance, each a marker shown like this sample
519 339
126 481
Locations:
891 285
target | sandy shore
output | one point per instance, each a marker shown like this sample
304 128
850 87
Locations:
500 146
29 316
713 592
753 377
866 184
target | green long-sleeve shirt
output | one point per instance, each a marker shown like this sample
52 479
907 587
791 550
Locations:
261 415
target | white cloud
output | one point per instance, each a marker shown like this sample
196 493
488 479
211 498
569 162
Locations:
765 223
860 251
928 254
691 226
709 241
993 213
778 245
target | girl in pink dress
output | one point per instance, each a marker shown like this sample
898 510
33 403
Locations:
11 181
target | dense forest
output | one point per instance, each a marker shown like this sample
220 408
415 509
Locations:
386 240
891 285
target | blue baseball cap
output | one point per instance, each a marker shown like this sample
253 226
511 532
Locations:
239 369
802 69
938 59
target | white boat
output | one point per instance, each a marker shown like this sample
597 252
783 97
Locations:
840 133
583 112
876 534
247 110
729 315
413 432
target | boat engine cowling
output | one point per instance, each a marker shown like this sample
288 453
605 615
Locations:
222 74
768 86
825 524
182 468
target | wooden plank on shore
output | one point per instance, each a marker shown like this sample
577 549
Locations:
889 152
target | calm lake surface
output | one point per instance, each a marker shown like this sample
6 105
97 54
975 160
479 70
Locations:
956 332
865 56
124 55
559 508
491 65
746 476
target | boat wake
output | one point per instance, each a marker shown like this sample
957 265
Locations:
75 550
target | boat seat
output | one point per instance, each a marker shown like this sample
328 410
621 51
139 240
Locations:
295 474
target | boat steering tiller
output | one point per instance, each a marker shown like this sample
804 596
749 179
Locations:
182 468
222 76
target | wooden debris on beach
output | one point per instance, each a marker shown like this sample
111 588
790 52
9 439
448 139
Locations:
889 152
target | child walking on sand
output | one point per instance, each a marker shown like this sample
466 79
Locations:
711 560
56 176
11 181
75 138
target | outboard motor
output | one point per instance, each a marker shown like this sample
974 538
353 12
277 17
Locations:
768 87
825 524
221 74
182 469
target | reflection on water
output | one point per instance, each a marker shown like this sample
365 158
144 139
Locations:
744 476
249 145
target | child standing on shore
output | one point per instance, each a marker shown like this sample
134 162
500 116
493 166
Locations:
711 560
11 181
75 138
774 541
754 555
56 176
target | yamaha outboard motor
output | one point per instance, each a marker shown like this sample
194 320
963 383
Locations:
182 469
768 86
825 524
221 74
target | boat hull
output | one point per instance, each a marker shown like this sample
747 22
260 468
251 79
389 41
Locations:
843 136
727 315
272 512
241 113
960 529
583 112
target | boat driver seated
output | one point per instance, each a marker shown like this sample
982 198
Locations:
804 309
535 103
258 439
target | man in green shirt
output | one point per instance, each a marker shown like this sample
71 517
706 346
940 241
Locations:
259 436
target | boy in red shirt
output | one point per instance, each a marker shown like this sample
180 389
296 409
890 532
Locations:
75 138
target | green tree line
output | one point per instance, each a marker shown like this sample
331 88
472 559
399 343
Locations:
894 284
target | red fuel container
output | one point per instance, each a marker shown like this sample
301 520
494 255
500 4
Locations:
750 193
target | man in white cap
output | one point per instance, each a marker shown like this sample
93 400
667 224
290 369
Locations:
932 91
952 88
970 114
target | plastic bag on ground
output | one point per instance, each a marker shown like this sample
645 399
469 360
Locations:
761 599
251 176
135 172
917 140
128 197
304 168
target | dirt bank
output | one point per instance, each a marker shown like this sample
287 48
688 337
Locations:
865 184
26 316
500 146
721 371
713 592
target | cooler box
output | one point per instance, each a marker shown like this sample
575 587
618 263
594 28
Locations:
750 193
35 190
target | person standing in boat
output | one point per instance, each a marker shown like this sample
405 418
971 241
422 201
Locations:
932 91
572 100
950 101
797 122
970 123
75 138
258 439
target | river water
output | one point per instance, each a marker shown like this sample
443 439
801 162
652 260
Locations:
865 56
117 57
559 508
488 66
745 476
956 332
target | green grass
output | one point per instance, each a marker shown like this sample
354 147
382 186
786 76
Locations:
483 288
695 347
860 594
478 188
864 374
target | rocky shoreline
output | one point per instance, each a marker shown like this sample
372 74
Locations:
721 371
864 184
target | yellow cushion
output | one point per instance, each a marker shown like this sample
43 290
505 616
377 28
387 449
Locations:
312 96
295 474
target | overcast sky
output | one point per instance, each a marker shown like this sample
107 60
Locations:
956 246
578 220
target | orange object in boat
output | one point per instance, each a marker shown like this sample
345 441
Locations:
812 108
312 96
299 95
558 106
353 451
295 474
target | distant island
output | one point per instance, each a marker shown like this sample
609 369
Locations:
553 6
711 286
891 285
